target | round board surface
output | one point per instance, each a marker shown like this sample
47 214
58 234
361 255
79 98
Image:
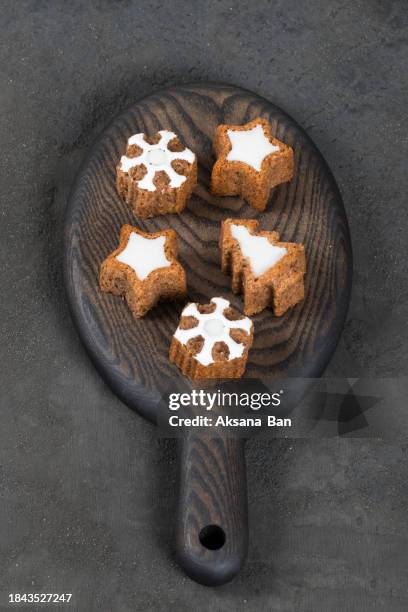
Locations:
133 355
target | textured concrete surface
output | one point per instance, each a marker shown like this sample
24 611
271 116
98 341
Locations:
87 491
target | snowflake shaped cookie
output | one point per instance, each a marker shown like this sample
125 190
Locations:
143 269
212 340
266 271
156 175
250 162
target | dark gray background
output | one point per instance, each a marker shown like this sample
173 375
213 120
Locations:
87 490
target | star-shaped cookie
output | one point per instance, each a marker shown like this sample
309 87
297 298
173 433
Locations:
266 271
144 269
250 162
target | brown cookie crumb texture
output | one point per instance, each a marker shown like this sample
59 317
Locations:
236 178
161 284
280 287
164 199
184 355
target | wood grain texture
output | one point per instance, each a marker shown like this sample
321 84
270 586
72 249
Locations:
132 355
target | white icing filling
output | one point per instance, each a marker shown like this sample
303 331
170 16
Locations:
144 254
250 146
261 254
156 158
213 327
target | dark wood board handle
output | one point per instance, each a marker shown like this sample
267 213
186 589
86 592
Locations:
212 525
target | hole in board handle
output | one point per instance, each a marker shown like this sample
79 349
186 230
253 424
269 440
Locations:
212 537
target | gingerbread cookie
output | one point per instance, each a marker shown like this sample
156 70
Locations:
144 269
266 271
156 175
250 162
211 341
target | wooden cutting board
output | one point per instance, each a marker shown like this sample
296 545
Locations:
132 356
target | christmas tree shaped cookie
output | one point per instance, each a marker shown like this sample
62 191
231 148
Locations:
266 271
156 175
250 162
143 269
211 341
